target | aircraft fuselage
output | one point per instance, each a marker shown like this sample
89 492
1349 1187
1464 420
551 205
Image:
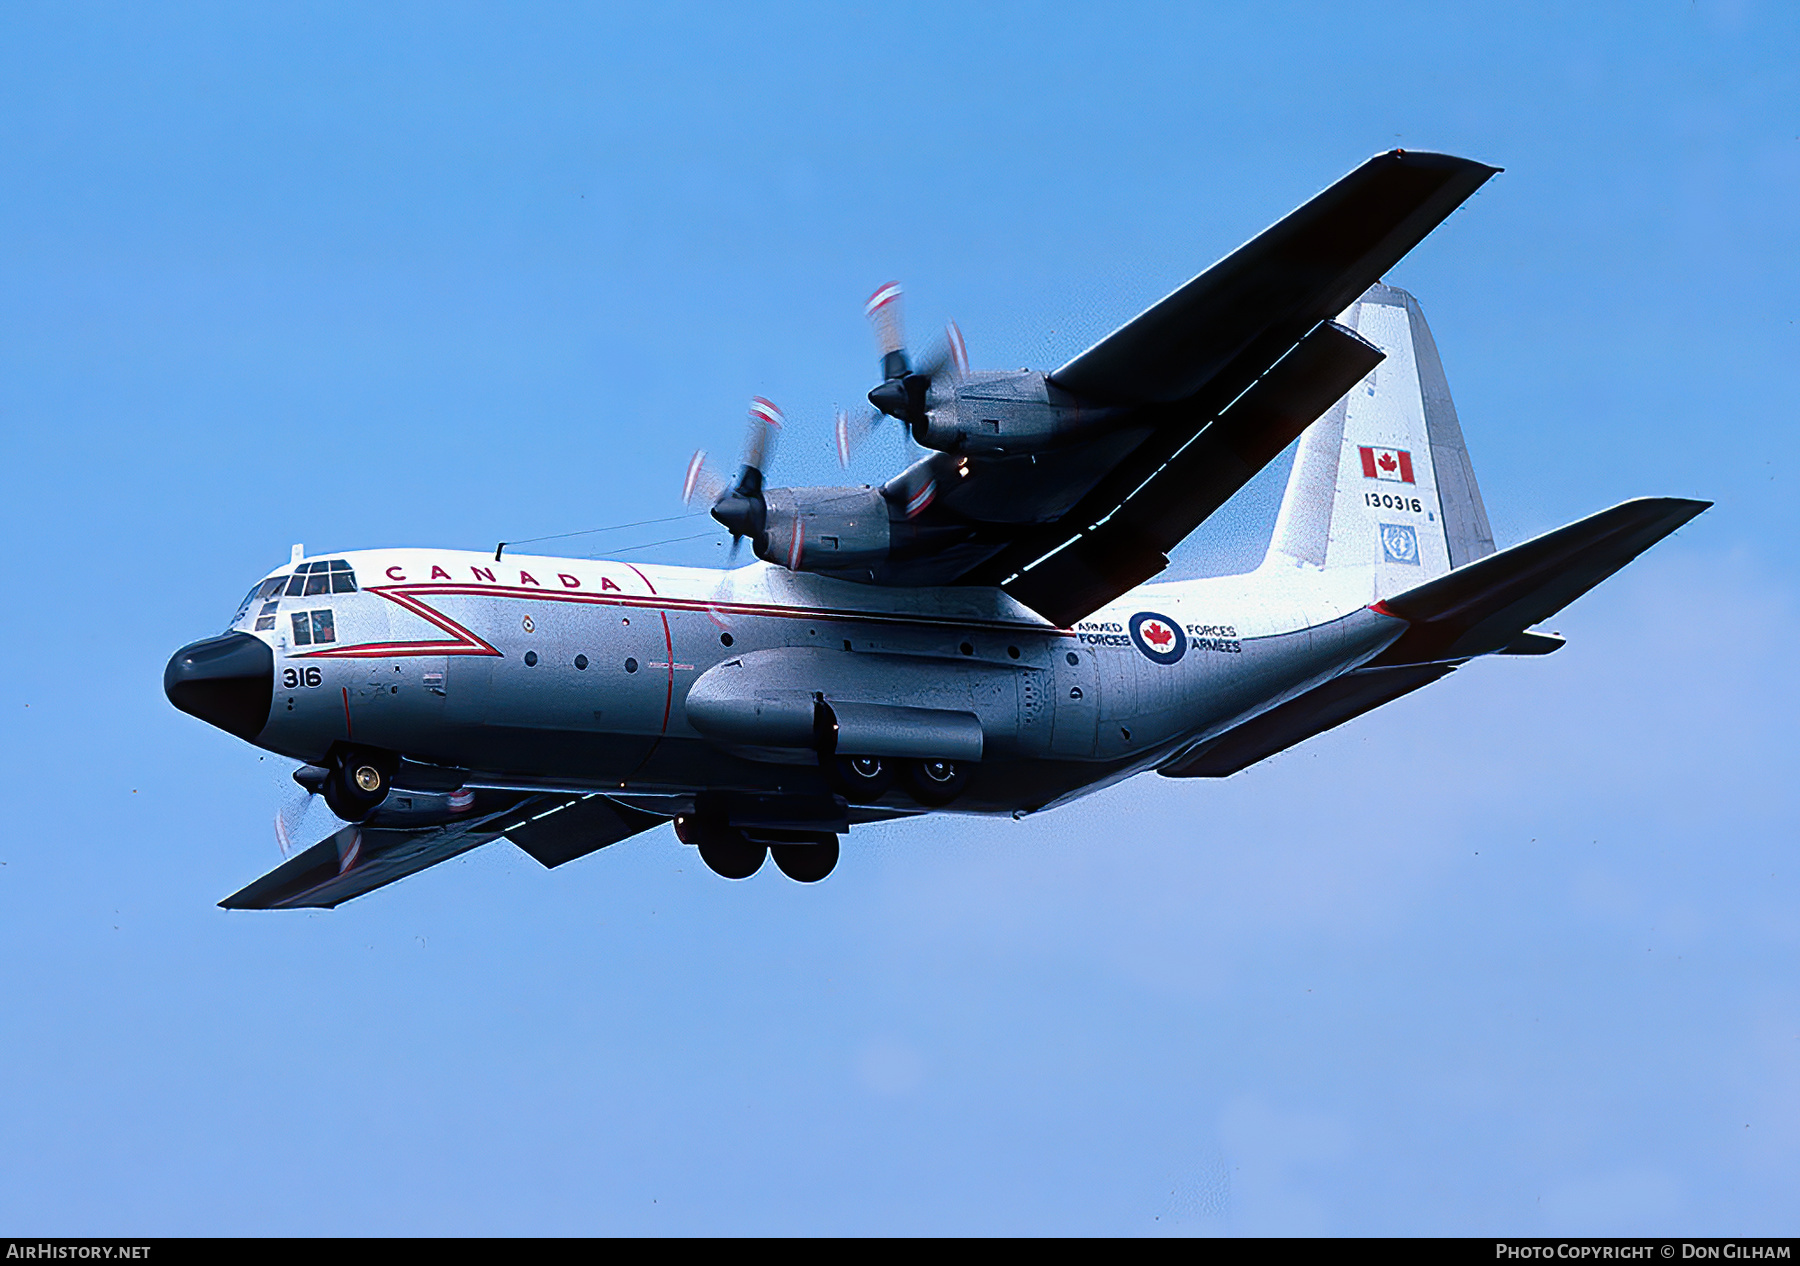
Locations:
574 674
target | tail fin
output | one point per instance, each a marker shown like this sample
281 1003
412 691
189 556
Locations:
1382 482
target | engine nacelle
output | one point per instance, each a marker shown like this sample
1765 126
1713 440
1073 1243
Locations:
824 529
1005 414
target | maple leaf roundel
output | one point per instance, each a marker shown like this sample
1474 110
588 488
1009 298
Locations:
1158 637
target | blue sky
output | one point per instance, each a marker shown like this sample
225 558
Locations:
1515 955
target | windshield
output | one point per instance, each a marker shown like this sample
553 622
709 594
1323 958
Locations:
324 575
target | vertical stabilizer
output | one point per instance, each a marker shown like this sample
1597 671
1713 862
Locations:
1382 482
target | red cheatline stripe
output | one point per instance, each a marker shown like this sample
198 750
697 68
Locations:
468 643
347 733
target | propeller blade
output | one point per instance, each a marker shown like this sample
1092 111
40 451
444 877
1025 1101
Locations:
289 817
883 311
759 440
959 351
703 481
722 594
853 432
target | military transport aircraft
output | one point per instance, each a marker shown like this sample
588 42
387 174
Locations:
976 635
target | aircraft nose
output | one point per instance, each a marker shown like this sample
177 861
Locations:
226 681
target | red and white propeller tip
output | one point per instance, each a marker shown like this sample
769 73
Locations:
959 352
883 311
707 482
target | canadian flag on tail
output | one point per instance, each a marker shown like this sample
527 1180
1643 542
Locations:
1388 463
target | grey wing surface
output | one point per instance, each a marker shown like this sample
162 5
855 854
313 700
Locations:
1214 381
1238 317
357 859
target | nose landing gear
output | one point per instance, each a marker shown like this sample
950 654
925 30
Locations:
359 781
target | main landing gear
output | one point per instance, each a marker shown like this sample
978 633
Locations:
803 856
865 779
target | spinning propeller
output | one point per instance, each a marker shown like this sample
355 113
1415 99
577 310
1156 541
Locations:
906 393
738 503
296 805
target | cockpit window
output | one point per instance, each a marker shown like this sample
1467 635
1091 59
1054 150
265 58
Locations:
244 606
322 576
271 587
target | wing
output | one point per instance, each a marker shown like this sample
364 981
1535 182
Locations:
1120 534
1207 387
356 859
1237 318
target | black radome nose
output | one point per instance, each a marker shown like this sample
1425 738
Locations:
226 681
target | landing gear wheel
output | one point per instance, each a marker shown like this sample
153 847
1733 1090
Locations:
358 782
936 781
806 863
864 779
734 858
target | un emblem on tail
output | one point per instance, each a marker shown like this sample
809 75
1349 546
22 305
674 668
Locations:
1399 543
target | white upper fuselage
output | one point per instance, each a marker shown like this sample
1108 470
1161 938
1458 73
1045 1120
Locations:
540 671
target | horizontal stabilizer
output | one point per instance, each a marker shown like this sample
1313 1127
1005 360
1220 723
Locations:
1319 709
1485 606
1238 316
